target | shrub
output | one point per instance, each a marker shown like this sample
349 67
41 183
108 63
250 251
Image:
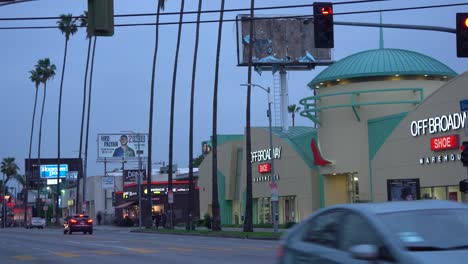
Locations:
207 221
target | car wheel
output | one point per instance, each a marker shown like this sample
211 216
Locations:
64 232
91 232
69 232
84 232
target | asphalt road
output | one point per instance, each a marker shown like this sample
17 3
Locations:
19 245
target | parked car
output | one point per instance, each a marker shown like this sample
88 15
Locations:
410 232
78 223
36 222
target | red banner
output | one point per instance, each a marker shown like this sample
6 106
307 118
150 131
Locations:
445 142
264 168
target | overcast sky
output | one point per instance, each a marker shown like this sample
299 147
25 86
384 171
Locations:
121 87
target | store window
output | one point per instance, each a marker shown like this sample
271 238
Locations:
441 193
289 208
264 211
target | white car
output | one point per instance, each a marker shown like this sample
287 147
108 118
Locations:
36 222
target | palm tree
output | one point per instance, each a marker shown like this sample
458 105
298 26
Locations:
248 222
171 126
161 4
68 27
293 109
190 204
8 169
216 225
35 77
83 23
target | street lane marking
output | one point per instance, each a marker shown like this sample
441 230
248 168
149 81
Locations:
67 254
105 252
24 257
142 250
178 249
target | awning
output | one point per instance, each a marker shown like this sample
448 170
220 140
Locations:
125 204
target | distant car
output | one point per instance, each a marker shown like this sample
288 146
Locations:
409 232
78 223
36 222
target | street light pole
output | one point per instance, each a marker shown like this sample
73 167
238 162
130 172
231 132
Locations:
274 188
138 176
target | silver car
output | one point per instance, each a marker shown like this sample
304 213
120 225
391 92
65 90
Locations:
410 232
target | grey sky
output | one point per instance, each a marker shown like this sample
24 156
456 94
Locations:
123 72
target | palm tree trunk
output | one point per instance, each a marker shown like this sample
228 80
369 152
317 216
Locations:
57 206
28 174
151 113
87 123
293 118
248 222
171 129
39 149
216 226
190 204
83 111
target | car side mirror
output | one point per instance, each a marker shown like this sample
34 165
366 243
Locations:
364 252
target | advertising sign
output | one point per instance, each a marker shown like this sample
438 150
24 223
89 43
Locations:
445 142
264 168
403 189
131 175
122 145
107 183
50 171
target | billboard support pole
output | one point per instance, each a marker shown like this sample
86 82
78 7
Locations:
105 190
284 99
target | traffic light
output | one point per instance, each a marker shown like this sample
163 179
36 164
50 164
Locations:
323 25
464 186
464 153
462 34
101 18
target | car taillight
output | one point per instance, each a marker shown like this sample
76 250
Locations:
280 252
73 221
90 221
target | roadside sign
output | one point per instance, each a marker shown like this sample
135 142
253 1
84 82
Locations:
45 207
274 192
170 196
464 105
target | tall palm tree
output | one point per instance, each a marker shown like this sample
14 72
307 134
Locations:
67 25
171 126
83 23
161 5
35 77
190 204
248 221
293 109
8 169
216 225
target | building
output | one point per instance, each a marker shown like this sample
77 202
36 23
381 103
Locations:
373 117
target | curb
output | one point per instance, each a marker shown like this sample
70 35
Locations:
206 235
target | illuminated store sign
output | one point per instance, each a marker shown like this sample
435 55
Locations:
440 159
159 190
264 168
434 125
444 143
265 154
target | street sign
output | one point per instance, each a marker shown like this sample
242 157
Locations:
464 105
170 197
45 208
274 192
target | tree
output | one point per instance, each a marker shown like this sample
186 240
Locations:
293 109
8 169
160 7
35 77
248 221
67 25
84 23
216 225
171 125
191 205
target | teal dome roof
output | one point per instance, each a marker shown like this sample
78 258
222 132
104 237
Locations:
383 62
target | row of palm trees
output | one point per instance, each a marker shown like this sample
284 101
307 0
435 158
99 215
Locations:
44 71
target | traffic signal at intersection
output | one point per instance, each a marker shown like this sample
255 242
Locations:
323 25
462 34
464 153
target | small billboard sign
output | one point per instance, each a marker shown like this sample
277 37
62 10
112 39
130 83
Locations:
50 171
118 146
107 183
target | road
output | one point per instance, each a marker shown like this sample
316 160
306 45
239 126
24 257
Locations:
115 246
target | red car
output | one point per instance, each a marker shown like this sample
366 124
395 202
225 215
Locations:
78 223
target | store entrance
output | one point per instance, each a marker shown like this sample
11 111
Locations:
341 188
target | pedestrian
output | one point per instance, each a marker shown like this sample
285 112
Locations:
158 219
163 219
99 218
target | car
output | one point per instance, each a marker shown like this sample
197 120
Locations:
406 232
36 222
78 223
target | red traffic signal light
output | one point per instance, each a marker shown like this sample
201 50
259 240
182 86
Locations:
327 10
323 25
462 34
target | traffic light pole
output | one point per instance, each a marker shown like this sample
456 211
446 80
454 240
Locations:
400 26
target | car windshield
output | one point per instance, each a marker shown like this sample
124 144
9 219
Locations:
426 230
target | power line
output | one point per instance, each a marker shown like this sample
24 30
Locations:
257 18
196 12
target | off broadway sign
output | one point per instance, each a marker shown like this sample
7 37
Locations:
131 175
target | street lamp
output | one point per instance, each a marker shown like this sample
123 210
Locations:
274 188
138 176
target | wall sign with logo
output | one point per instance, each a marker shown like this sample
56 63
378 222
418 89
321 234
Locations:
265 154
266 178
264 168
444 143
